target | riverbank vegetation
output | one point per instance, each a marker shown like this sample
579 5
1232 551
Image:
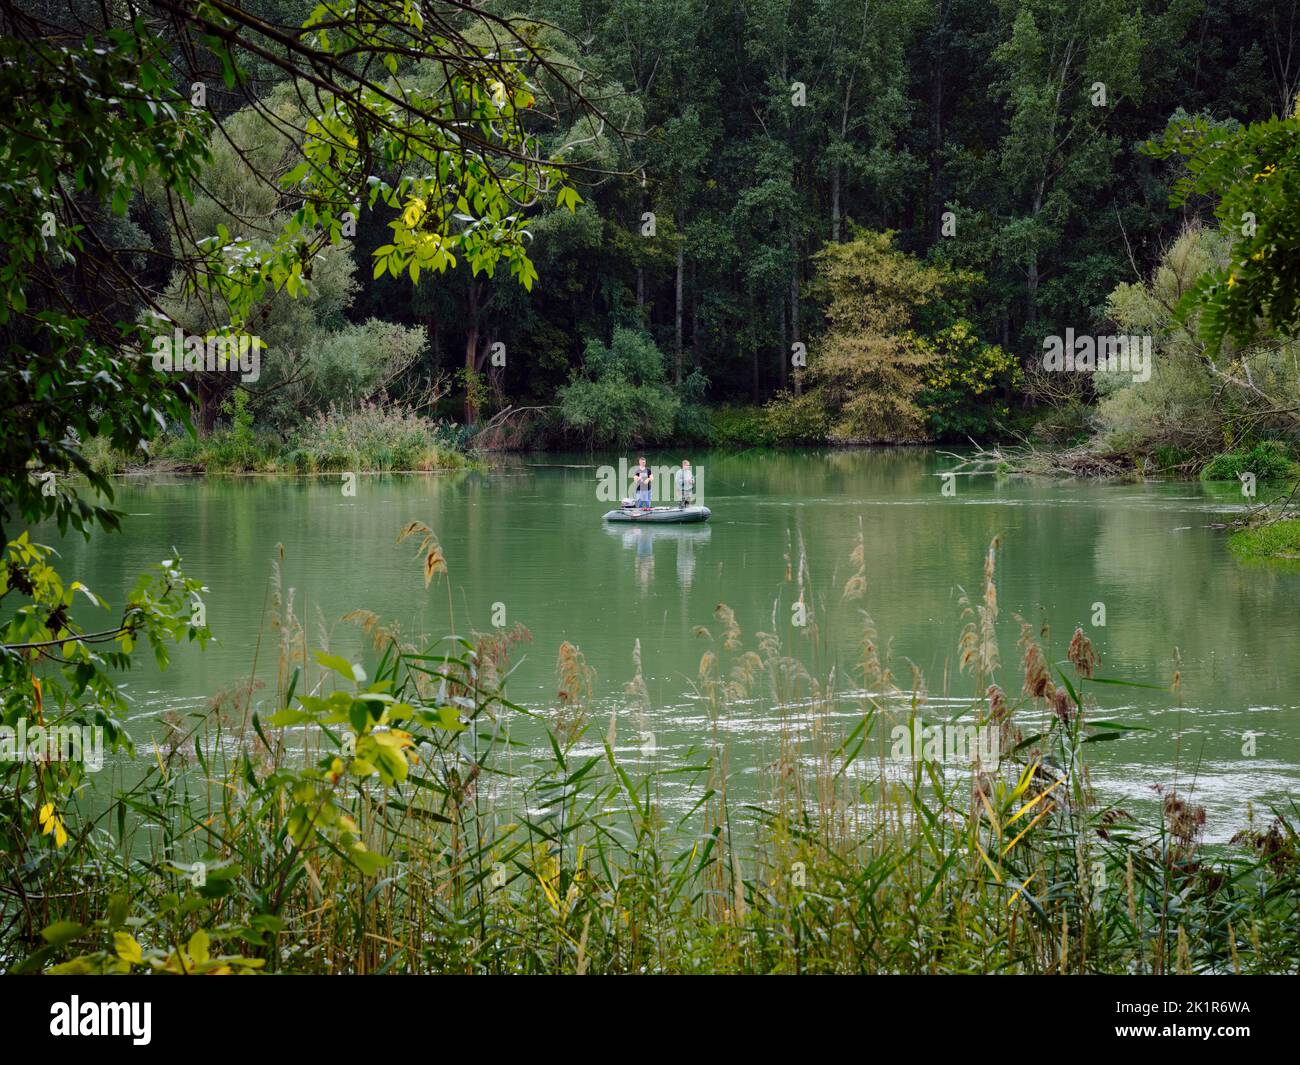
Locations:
1213 413
1279 540
372 437
404 816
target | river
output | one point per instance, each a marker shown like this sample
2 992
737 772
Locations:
525 544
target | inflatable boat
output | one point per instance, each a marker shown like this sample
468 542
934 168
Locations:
660 515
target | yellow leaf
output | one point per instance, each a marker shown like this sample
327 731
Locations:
993 818
127 948
198 946
1023 784
1046 810
996 875
1016 894
1030 804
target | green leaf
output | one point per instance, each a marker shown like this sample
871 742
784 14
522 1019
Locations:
61 932
449 719
368 862
282 718
342 666
82 966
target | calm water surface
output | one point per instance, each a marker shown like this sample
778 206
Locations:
528 536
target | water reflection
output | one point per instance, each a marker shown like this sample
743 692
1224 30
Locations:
642 539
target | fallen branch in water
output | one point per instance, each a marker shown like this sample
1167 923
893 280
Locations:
1083 460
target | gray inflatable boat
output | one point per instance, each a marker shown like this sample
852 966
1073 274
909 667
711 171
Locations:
660 515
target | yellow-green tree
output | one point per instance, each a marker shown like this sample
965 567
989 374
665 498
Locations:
870 365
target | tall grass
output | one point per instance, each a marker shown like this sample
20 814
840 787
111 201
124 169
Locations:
501 839
374 437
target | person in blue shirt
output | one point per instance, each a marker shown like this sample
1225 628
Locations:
642 478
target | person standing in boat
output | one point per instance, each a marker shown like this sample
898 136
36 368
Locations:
684 484
643 478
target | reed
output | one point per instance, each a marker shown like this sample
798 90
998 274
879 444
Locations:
416 820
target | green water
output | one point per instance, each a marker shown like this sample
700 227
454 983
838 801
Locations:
528 536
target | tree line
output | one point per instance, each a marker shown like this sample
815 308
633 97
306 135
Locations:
833 219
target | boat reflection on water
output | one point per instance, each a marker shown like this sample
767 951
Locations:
643 538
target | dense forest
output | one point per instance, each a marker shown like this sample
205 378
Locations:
785 223
997 139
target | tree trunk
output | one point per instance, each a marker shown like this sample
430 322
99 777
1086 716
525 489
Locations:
695 314
1031 281
835 202
677 348
936 137
640 270
471 354
783 362
837 166
794 311
208 405
491 374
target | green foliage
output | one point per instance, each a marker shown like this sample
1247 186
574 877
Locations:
1182 405
740 427
1276 540
454 173
218 452
103 457
63 680
104 158
966 393
68 376
1268 460
1254 173
692 424
374 437
620 395
1167 457
870 368
359 360
792 419
195 958
475 387
786 419
447 149
1195 399
241 423
1065 424
158 612
1058 147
